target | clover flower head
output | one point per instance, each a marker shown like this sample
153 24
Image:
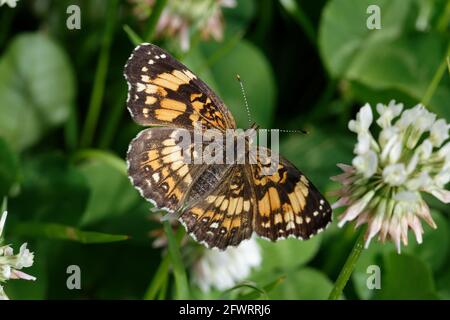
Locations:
223 269
3 295
11 4
179 17
383 185
10 263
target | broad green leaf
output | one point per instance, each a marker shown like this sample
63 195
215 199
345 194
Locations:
343 33
62 232
114 205
303 284
111 192
287 254
255 71
36 89
390 58
399 66
52 190
405 277
9 168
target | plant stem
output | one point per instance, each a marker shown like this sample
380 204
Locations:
443 20
71 129
95 103
436 79
294 9
153 19
349 265
117 110
132 35
181 282
161 277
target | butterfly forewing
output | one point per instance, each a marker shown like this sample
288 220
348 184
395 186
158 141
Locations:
163 91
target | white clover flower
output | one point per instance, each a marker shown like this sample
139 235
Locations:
179 17
383 186
10 3
3 295
223 269
11 264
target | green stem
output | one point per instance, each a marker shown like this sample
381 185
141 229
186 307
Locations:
117 110
181 282
153 19
161 277
349 265
7 17
448 64
71 130
132 35
98 90
436 79
442 24
294 9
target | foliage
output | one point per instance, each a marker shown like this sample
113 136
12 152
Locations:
305 64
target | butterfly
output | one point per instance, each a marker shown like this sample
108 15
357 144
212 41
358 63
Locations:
220 205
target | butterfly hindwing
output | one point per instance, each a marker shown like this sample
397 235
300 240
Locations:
162 91
288 204
223 217
157 168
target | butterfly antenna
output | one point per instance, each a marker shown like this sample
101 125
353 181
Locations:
238 77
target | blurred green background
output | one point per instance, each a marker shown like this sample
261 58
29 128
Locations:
305 64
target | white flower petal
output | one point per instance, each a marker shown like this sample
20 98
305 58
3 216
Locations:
366 163
354 210
394 174
223 269
439 132
3 295
363 120
441 194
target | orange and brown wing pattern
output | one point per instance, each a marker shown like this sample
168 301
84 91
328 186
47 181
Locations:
223 217
157 167
164 92
287 203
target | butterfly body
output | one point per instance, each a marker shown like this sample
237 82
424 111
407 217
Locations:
219 203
